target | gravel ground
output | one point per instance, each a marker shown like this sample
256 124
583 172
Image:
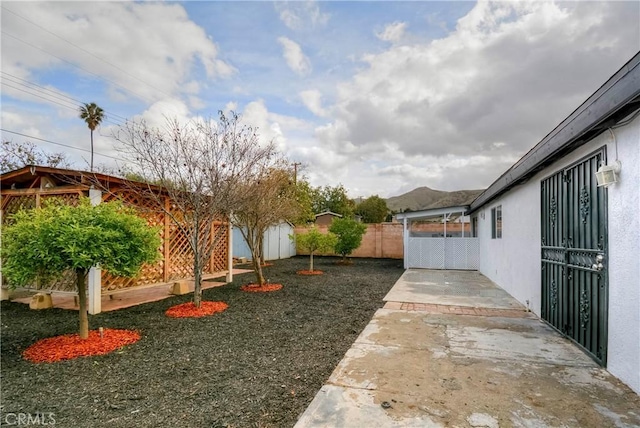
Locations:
258 364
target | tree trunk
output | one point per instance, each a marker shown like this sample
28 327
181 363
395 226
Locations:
197 288
258 267
81 279
311 262
91 150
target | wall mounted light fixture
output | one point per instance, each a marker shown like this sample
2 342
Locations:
608 174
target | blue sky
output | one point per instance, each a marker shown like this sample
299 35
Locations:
382 97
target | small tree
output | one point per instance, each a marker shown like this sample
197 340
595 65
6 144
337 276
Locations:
349 234
197 169
314 241
45 242
273 199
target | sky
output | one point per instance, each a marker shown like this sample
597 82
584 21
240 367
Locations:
381 97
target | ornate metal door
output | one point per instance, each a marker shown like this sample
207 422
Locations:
574 255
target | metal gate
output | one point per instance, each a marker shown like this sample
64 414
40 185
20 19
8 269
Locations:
574 255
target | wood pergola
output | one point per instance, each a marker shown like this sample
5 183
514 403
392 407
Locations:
30 186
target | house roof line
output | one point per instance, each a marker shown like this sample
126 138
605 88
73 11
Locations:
328 212
33 170
616 99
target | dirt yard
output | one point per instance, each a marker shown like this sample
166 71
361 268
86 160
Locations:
258 364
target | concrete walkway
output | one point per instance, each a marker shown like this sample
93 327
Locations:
451 349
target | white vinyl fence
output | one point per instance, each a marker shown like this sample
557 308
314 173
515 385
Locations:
443 253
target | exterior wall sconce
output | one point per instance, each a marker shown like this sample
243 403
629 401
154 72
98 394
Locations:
608 174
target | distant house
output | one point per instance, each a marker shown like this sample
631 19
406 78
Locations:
325 218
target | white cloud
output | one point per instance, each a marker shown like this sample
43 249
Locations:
393 32
133 47
458 111
312 99
301 14
296 59
257 115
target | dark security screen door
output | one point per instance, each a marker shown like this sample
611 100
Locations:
574 255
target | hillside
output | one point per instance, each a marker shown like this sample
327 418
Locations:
424 198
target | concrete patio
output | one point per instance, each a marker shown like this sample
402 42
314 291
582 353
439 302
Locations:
451 349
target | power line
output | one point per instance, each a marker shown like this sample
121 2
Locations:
74 108
86 51
28 83
77 66
61 144
36 95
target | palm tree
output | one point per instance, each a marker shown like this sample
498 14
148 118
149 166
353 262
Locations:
93 116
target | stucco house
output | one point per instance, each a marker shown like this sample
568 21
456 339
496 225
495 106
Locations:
562 243
566 245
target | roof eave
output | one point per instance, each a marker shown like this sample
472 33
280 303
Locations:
597 113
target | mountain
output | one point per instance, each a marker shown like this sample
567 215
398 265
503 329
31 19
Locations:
424 198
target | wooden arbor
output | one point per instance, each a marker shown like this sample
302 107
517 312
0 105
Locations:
28 187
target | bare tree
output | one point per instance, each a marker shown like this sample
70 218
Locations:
200 167
18 155
272 198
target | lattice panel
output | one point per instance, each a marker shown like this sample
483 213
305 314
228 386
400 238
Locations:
11 204
440 253
68 198
149 273
462 253
220 255
180 255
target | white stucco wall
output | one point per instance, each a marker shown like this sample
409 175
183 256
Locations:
513 262
623 359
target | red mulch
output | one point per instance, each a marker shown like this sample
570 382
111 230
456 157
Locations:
309 272
189 310
256 288
70 346
266 264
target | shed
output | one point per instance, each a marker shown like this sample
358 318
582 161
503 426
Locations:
276 243
28 187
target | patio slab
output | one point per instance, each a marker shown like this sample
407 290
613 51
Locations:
450 287
488 363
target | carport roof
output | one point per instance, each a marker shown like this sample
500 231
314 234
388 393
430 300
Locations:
413 215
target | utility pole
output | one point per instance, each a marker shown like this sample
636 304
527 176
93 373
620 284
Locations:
295 172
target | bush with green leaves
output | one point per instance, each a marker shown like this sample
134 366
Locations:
349 234
43 243
314 241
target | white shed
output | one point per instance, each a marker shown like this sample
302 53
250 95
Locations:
276 244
